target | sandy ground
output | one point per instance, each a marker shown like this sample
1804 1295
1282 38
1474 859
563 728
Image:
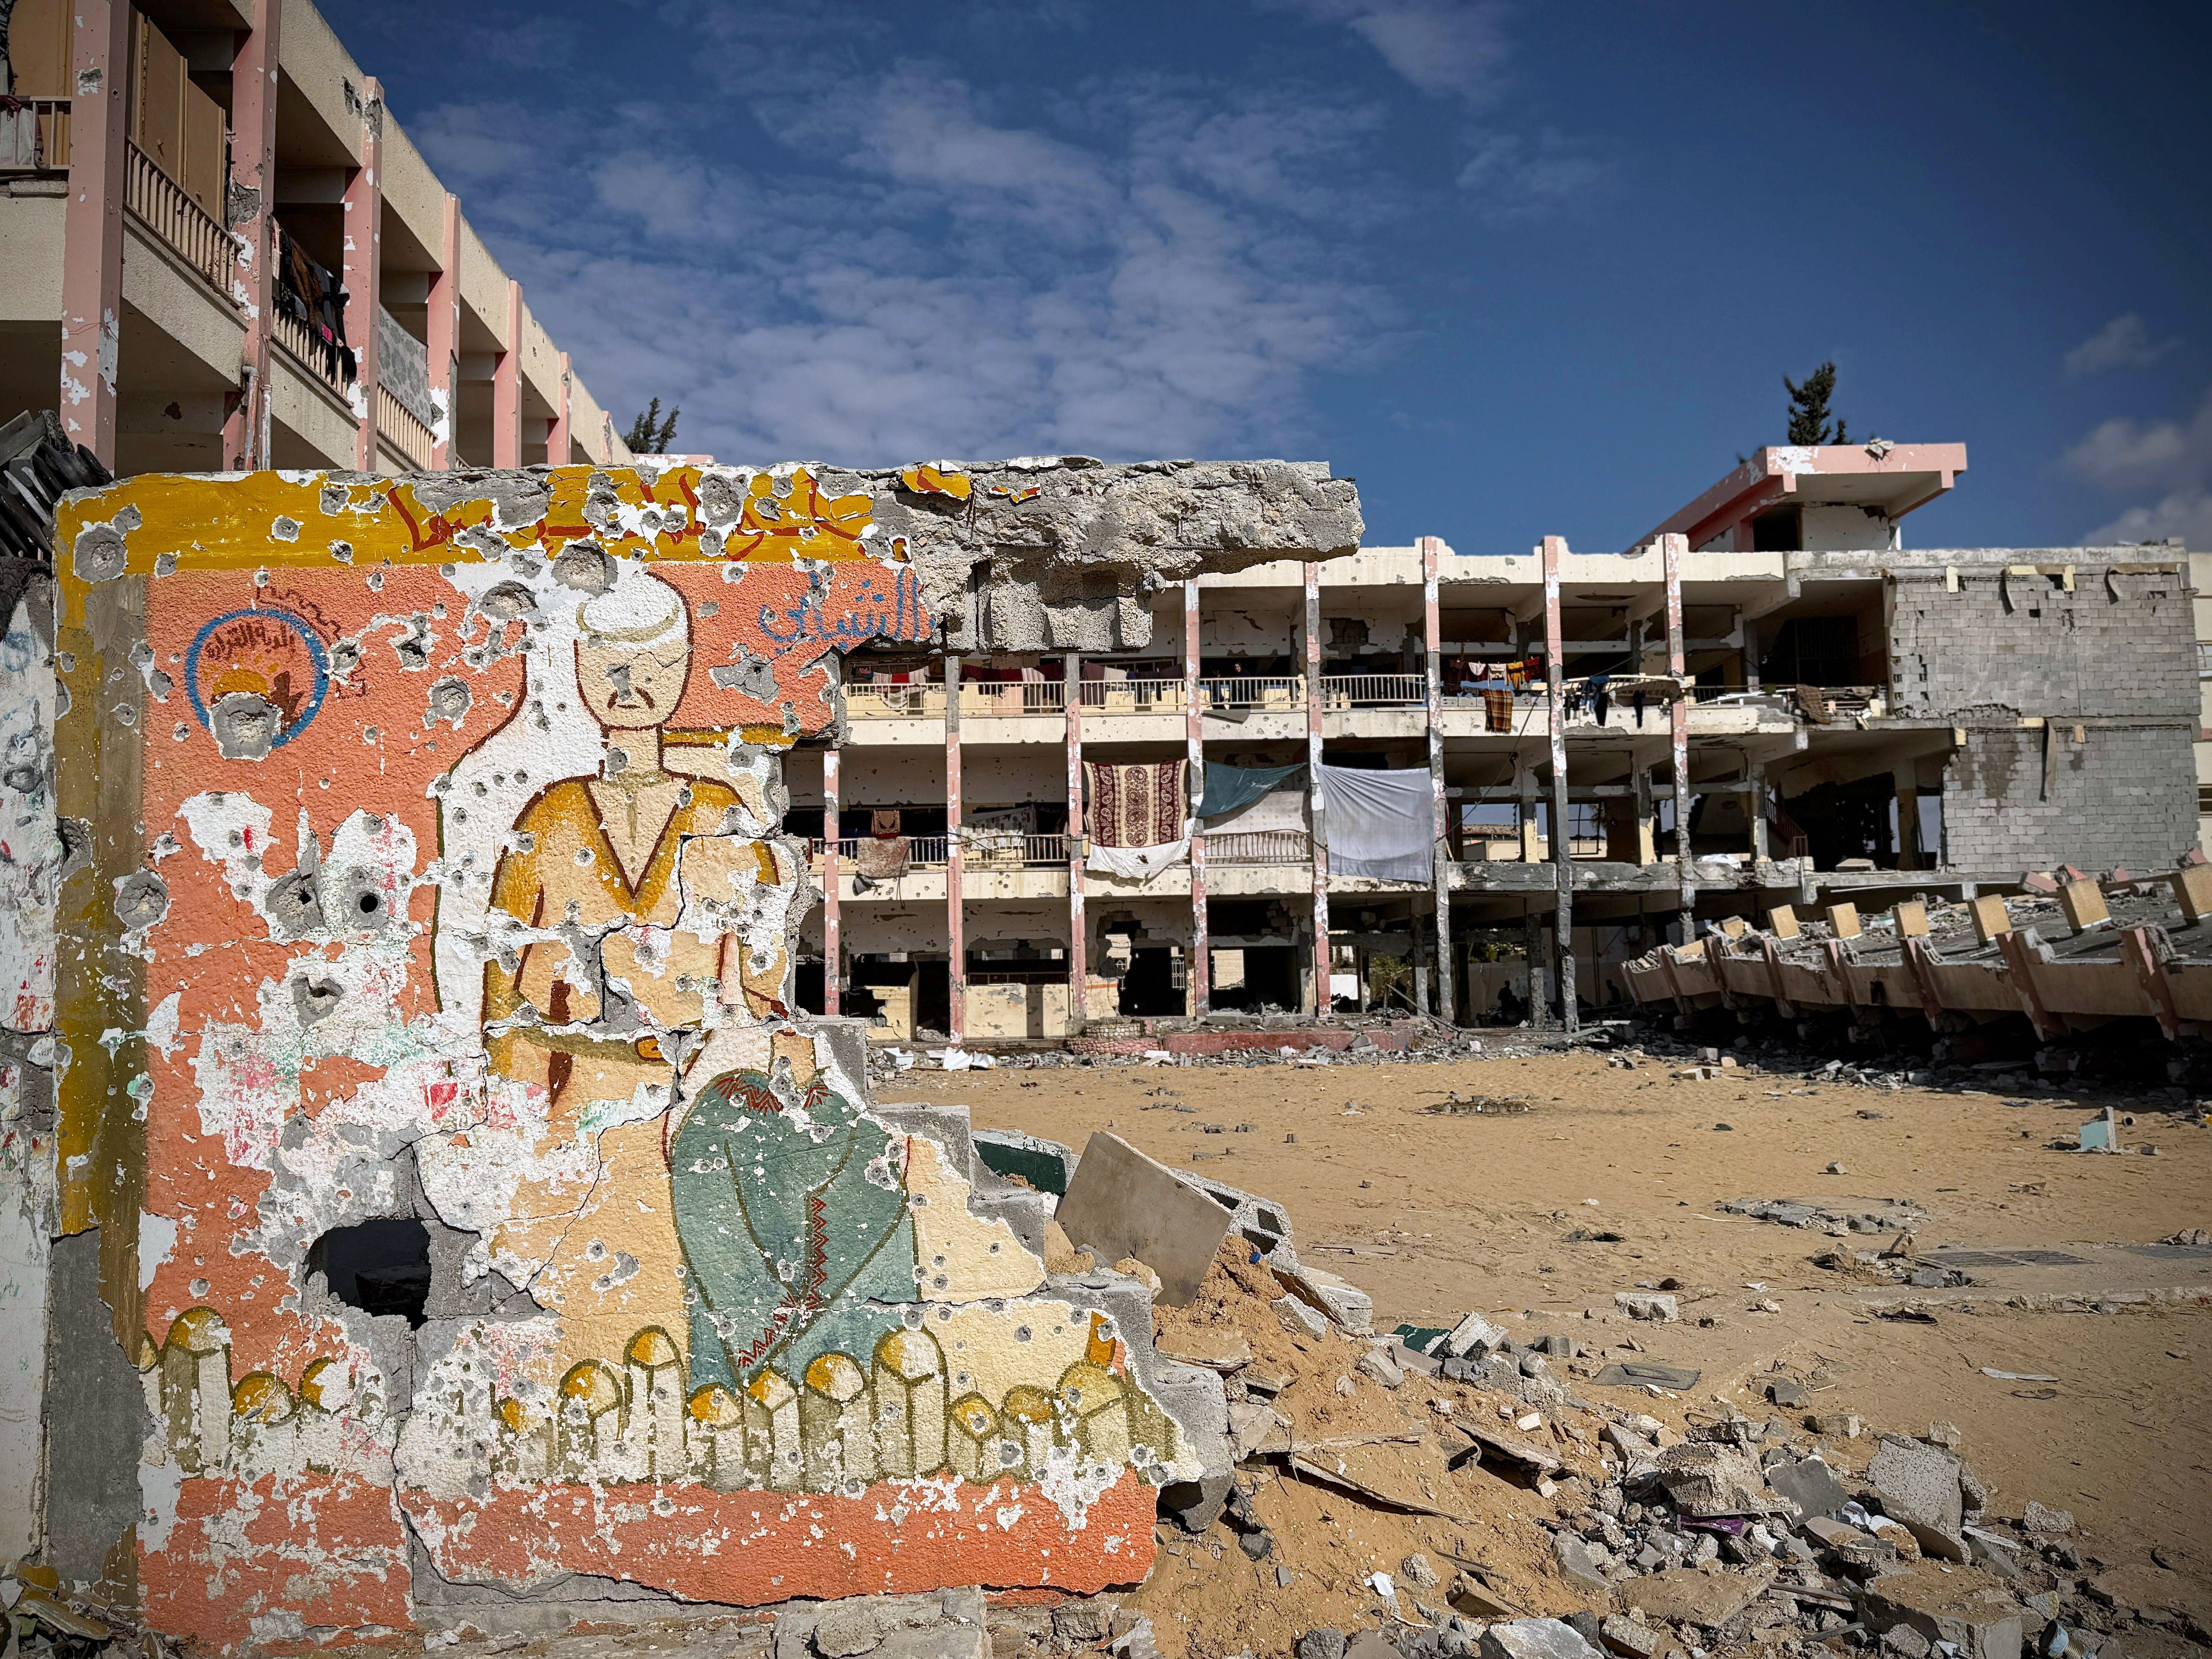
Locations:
1446 1213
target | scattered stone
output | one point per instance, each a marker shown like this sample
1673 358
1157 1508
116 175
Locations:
1580 1563
1649 1304
1296 1312
1684 1595
1843 1424
1629 1637
1419 1571
1706 1479
1535 1638
1473 1338
1968 1608
1321 1644
1810 1484
2037 1518
1918 1485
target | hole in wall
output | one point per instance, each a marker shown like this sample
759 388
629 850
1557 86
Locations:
379 1267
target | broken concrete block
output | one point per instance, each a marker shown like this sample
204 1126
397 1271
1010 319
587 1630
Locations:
1535 1638
2083 902
1810 1484
1962 1606
1473 1338
2192 891
1122 1203
1300 1315
1846 1423
1918 1485
1656 1305
845 1629
1322 1643
1734 927
1684 1595
1704 1478
1631 1638
1843 920
1990 917
1343 1303
1782 922
1579 1563
1909 918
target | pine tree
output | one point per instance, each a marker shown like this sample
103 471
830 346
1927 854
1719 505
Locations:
1808 408
650 434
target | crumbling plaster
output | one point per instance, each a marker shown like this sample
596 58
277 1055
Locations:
427 864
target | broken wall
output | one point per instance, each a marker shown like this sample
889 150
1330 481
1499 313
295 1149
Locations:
2072 679
428 884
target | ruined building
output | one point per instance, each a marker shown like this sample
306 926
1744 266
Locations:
221 250
1851 721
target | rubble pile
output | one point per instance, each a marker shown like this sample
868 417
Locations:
1560 1528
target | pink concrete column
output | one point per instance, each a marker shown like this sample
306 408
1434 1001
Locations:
1079 954
955 932
1202 960
1433 640
92 256
506 387
556 436
1563 868
832 883
252 187
1317 800
363 276
445 341
1671 548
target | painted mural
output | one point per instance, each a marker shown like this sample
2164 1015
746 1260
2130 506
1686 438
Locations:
433 872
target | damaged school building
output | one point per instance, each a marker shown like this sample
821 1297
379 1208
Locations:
431 1203
1334 784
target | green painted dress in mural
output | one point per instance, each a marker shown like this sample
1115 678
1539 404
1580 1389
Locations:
794 1230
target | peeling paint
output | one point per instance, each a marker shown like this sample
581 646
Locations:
461 901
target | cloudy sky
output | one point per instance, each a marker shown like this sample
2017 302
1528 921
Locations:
1521 269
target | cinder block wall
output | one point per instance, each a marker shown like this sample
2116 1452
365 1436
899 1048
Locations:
2113 659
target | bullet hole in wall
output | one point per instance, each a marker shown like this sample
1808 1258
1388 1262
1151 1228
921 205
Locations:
379 1267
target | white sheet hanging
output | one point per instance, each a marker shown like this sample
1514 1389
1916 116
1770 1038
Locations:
1138 863
1380 825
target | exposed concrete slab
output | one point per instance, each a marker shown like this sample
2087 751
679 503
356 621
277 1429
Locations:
1120 1203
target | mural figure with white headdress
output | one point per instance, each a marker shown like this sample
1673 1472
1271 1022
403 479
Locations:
644 909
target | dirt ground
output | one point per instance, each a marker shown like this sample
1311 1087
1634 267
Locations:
1435 1215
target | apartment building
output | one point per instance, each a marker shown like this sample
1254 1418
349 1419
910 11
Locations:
222 253
1767 700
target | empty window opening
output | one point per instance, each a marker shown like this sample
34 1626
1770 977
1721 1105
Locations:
379 1267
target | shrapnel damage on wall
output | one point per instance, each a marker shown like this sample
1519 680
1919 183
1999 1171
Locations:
407 850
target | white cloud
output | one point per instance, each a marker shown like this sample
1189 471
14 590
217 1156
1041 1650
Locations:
2123 454
1449 47
926 278
2186 517
1515 176
2173 458
2123 343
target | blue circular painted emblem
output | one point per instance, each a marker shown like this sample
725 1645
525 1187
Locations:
273 654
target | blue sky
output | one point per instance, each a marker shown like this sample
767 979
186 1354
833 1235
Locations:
1520 269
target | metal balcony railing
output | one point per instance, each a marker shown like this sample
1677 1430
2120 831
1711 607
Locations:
1004 699
1251 846
895 702
160 203
313 356
1132 697
402 428
1244 691
34 135
1374 691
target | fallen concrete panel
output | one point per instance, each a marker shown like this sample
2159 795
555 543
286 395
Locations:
1123 1204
